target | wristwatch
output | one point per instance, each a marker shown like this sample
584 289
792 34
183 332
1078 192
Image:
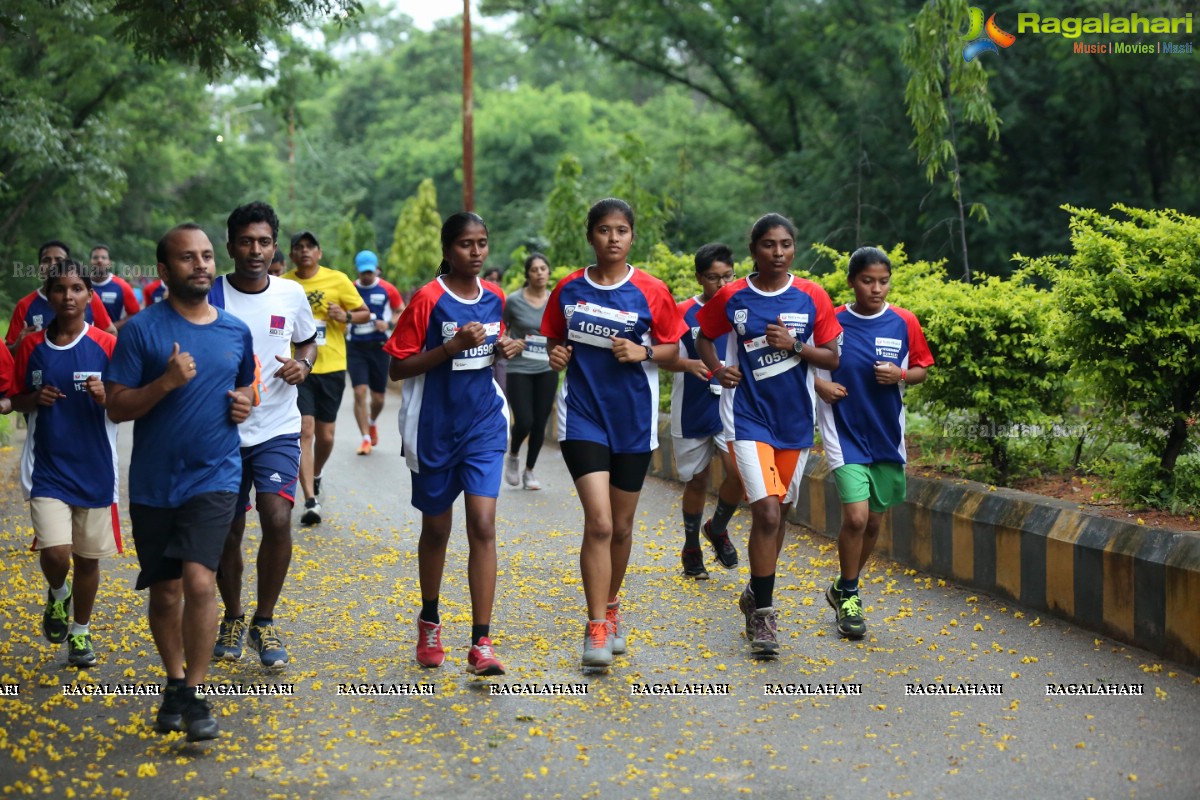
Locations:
649 352
797 347
306 363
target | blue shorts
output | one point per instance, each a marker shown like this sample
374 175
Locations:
433 492
270 467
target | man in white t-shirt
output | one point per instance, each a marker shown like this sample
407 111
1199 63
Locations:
280 318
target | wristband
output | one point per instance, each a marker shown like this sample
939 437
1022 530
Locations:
903 374
649 352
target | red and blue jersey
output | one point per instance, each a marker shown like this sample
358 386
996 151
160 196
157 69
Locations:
34 309
383 300
455 410
71 448
867 425
117 296
775 401
602 400
154 292
695 404
6 372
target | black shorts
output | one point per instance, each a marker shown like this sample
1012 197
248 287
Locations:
626 471
368 364
321 395
167 537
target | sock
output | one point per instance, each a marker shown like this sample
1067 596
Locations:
478 632
178 683
62 592
763 588
366 437
847 587
77 629
721 517
614 603
429 611
257 622
231 617
691 529
371 422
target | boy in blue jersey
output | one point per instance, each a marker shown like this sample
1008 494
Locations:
861 414
696 425
185 371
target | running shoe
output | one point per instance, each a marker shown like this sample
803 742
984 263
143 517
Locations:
746 604
170 712
265 640
317 485
724 549
530 482
80 652
597 646
512 470
693 563
482 659
364 449
850 621
612 616
765 640
430 652
54 617
374 435
229 639
198 718
312 512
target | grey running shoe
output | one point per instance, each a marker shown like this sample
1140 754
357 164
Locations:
597 645
54 617
512 470
612 616
312 512
850 621
765 641
746 605
80 652
229 639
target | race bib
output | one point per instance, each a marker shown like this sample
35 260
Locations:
108 298
363 328
767 362
714 385
536 348
479 357
589 323
320 334
80 379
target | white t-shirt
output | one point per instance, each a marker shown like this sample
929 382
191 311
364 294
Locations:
278 317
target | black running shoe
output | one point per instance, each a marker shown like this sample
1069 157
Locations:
693 563
199 719
725 551
170 714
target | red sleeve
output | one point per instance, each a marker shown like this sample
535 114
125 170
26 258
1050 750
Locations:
919 354
713 320
394 299
100 317
6 372
496 290
103 338
408 338
131 303
17 324
554 322
666 323
148 292
21 362
826 328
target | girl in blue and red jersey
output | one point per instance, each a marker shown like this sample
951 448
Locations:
862 420
610 326
780 327
69 464
454 424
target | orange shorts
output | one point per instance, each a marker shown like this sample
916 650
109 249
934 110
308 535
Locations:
767 470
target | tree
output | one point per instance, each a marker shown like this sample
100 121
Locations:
566 211
416 249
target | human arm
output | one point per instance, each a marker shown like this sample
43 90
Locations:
126 403
470 335
727 376
829 391
295 370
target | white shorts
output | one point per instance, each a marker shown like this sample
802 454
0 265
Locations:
692 456
767 470
90 532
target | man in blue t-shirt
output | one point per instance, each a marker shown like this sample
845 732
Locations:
185 371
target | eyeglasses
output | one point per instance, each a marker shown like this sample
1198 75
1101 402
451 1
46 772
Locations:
714 278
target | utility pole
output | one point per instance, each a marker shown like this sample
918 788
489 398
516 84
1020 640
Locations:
468 115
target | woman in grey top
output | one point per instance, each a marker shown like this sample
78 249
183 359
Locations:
531 382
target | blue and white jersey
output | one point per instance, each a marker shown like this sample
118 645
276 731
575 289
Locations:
602 400
383 301
774 403
456 409
695 404
867 425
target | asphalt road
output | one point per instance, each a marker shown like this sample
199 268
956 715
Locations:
347 615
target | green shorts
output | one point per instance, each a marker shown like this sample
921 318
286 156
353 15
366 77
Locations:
882 484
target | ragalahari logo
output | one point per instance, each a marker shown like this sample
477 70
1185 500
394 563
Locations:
983 38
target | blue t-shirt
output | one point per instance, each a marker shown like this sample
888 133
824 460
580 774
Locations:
186 445
695 404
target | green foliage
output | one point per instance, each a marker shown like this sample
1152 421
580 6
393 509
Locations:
1127 322
653 209
566 213
416 249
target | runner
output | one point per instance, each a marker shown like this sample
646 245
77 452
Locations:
365 359
279 317
33 312
783 324
154 292
335 303
862 420
69 464
278 265
455 426
696 428
185 371
115 292
531 382
610 326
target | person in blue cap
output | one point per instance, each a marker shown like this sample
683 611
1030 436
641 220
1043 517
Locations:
365 359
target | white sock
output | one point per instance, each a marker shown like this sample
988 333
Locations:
76 628
62 592
367 438
371 422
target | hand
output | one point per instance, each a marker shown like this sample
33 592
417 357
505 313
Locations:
887 373
292 372
696 367
181 368
511 348
95 388
5 406
728 376
381 326
559 356
779 337
628 352
336 313
28 329
47 395
239 407
470 335
830 392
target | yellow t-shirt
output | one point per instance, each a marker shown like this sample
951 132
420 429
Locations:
328 287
